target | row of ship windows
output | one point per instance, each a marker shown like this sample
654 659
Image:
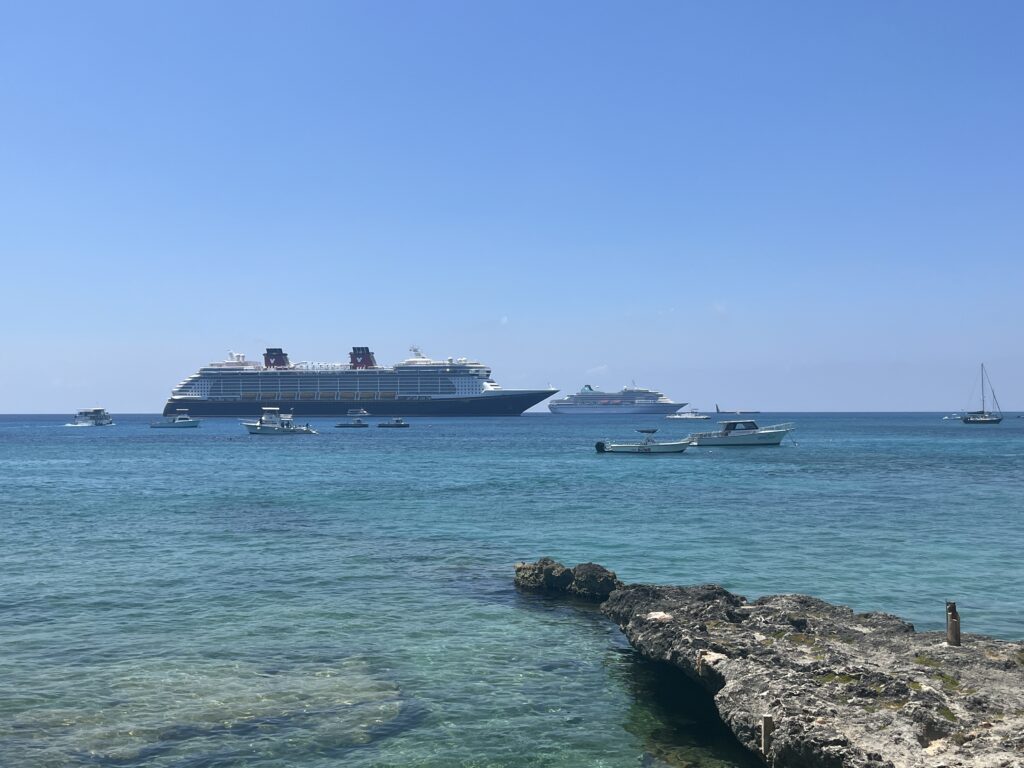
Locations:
317 396
235 390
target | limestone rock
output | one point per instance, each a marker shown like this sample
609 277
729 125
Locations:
843 690
586 581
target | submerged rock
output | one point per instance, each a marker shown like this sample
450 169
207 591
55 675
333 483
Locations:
587 581
806 684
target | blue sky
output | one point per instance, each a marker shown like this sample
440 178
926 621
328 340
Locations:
766 205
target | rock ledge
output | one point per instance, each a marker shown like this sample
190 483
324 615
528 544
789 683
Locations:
841 690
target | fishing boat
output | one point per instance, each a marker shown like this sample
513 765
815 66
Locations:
743 432
395 423
91 417
984 416
273 422
693 413
647 445
181 420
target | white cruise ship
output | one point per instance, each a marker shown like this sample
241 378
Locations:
590 400
417 386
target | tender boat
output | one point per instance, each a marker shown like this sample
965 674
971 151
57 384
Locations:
983 416
693 413
647 445
395 423
273 422
91 417
743 432
356 421
181 420
354 424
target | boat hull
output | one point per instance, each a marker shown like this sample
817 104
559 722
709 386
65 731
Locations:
177 425
981 419
772 437
260 429
511 403
644 448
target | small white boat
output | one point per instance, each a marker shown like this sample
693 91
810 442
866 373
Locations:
647 445
395 423
181 420
91 417
358 412
693 413
744 432
273 422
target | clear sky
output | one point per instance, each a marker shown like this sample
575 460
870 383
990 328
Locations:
792 205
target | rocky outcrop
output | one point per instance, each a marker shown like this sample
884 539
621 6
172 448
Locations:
807 684
839 689
587 581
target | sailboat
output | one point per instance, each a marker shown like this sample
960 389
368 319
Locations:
983 416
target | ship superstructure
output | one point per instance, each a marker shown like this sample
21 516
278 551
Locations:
417 386
590 400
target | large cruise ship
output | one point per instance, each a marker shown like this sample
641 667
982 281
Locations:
630 400
417 386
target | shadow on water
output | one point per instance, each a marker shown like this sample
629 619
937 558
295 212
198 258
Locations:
675 719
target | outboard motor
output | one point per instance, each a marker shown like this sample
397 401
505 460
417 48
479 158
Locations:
599 445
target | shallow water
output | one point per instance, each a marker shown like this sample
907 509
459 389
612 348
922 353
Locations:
207 598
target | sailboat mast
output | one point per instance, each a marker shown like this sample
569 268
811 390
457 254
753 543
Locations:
982 387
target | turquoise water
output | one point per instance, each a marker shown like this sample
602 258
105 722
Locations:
207 598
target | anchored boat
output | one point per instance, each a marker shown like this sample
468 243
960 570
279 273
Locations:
630 400
417 386
745 432
984 416
647 445
181 420
273 422
693 413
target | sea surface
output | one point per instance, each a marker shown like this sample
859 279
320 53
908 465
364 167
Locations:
209 598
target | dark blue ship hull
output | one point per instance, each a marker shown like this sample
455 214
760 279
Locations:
502 404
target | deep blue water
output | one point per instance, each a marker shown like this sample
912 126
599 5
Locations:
207 598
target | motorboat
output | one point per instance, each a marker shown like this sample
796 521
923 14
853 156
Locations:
395 423
356 421
984 416
91 417
743 432
647 445
273 422
180 420
693 413
353 424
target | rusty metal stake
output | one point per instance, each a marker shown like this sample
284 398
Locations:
767 726
952 624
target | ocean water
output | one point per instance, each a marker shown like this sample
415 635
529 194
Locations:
209 598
